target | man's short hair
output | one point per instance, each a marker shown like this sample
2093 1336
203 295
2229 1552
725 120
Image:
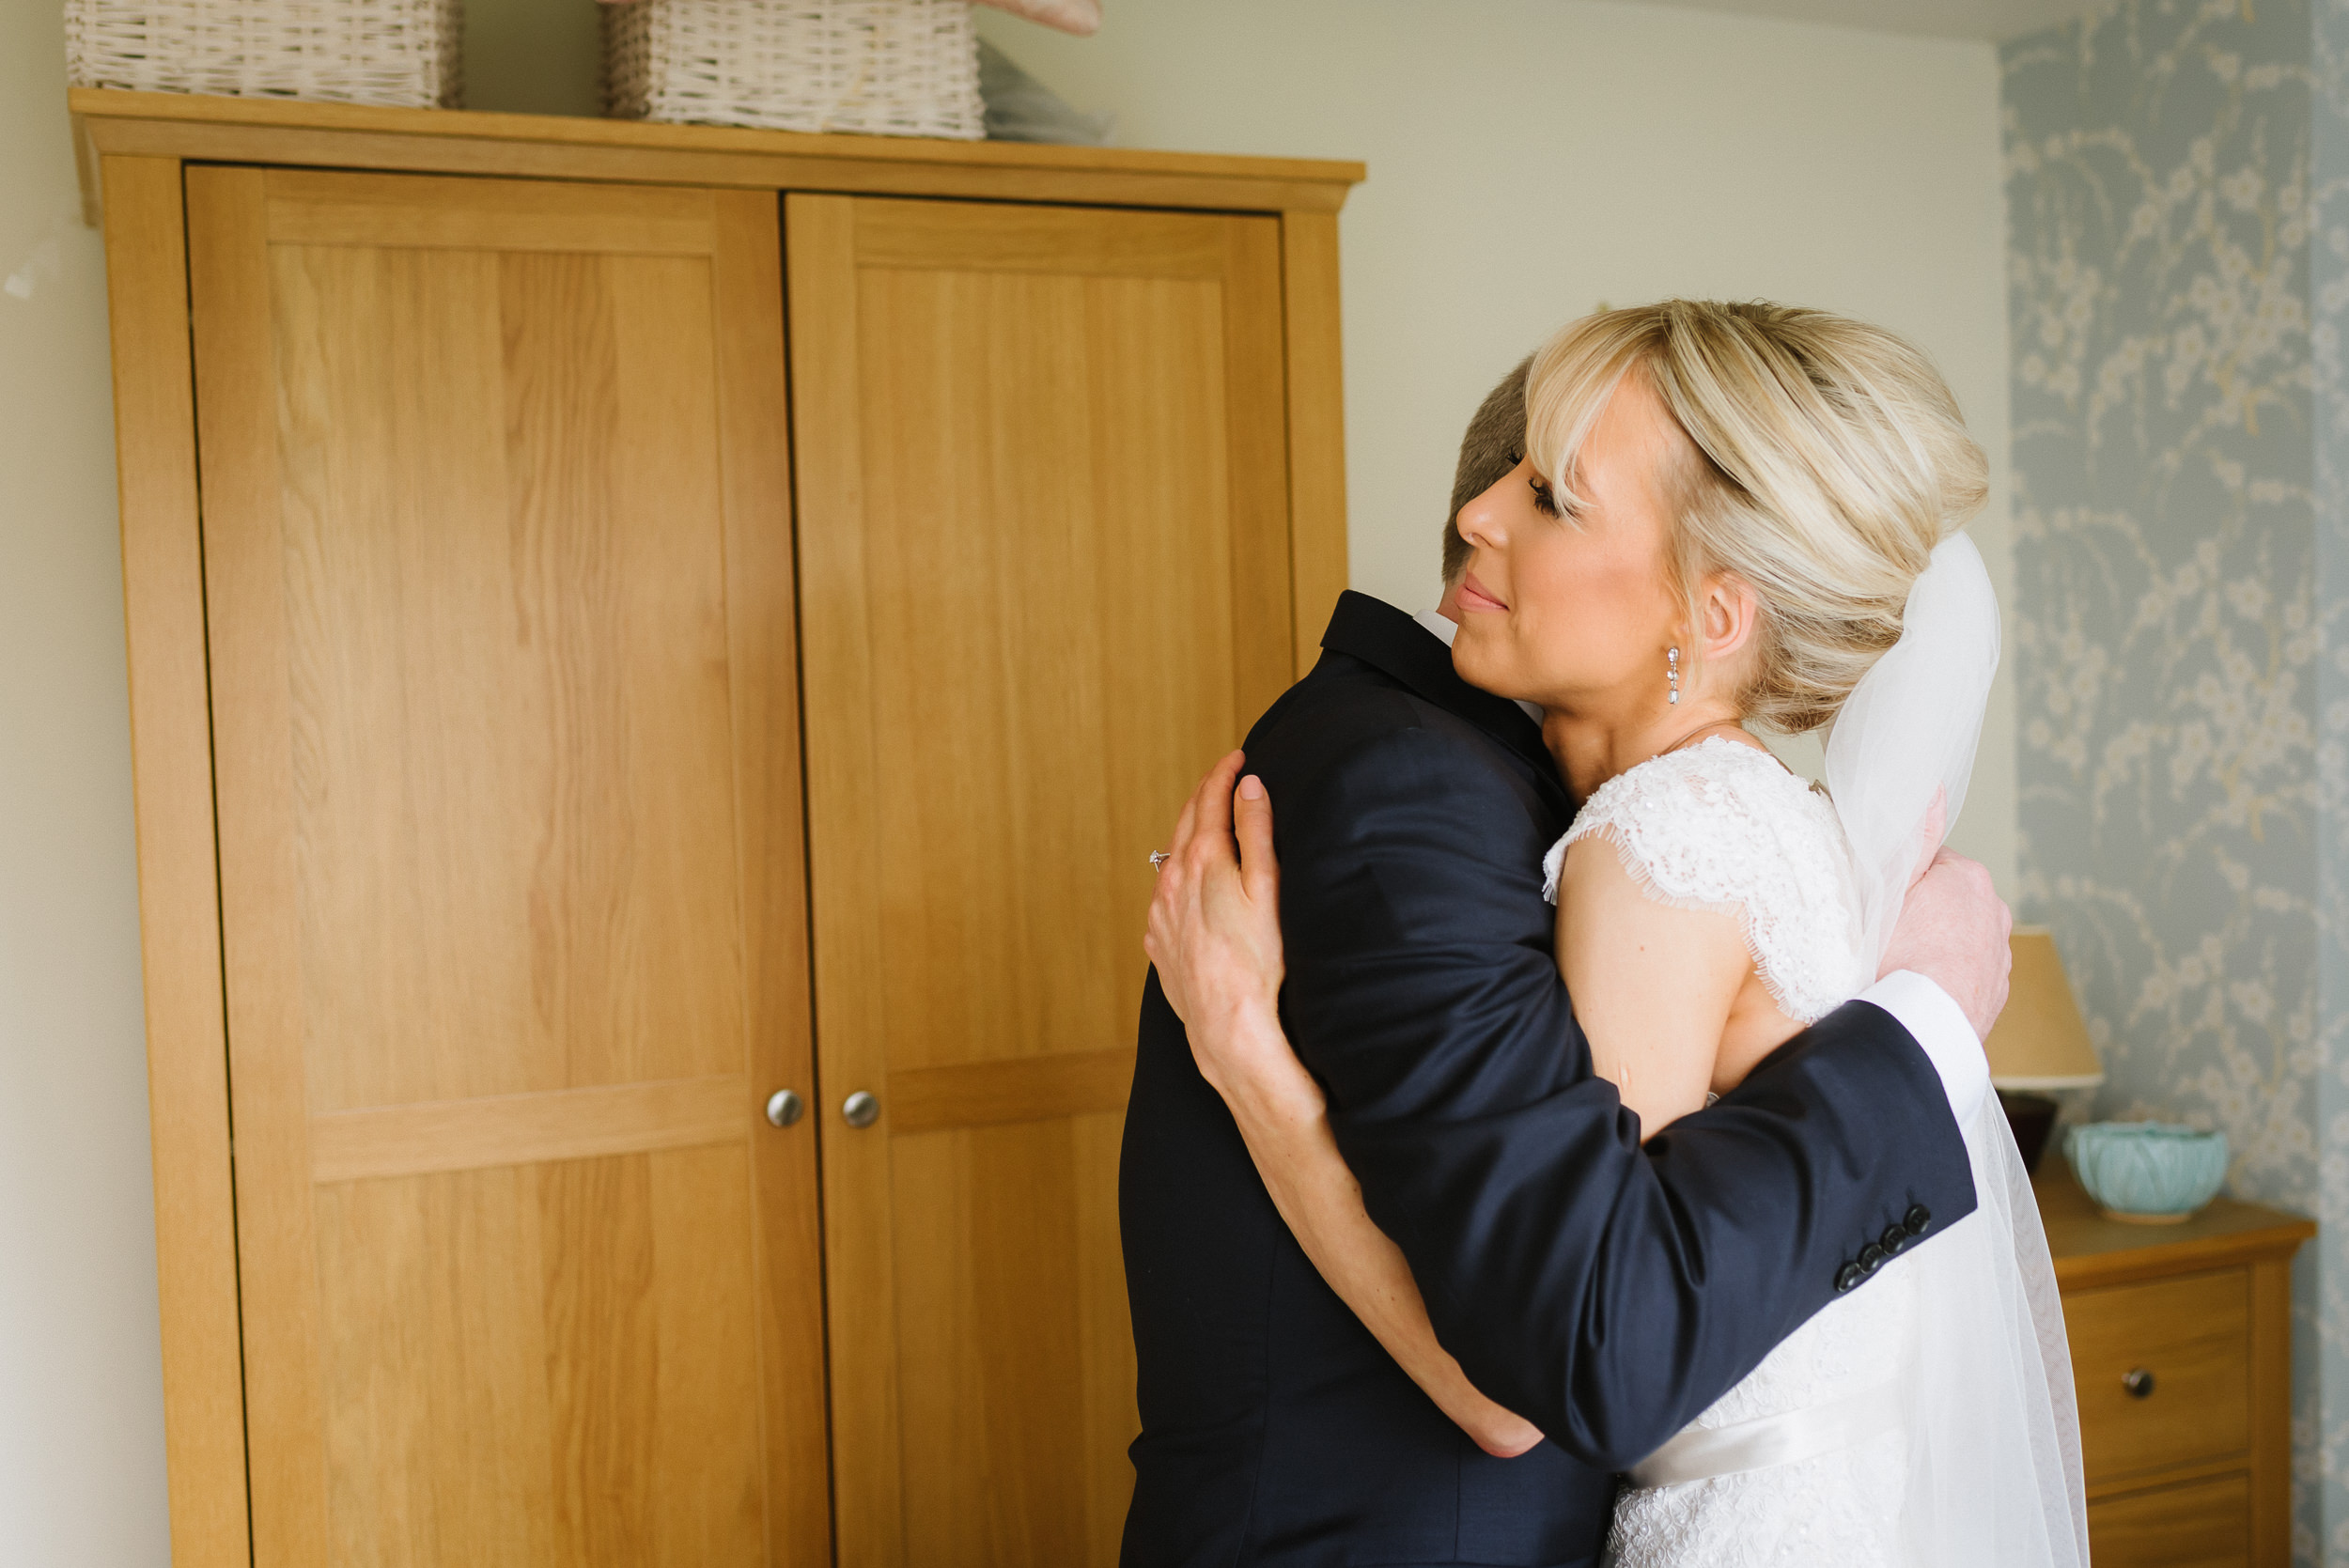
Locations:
1495 441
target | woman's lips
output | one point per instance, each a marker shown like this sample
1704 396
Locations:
1475 596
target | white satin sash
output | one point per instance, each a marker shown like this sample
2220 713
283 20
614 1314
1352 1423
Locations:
1702 1453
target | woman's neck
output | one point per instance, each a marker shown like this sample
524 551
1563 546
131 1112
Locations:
1592 748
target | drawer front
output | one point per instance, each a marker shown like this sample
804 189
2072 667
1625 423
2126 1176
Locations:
2193 1335
2203 1524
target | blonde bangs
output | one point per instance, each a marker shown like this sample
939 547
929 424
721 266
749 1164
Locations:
1572 378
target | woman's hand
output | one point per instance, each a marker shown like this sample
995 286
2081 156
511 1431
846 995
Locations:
1502 1433
1215 931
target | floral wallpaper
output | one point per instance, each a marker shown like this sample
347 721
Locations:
2323 1442
2178 250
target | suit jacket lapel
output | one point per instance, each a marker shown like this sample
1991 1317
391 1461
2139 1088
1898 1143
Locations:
1379 634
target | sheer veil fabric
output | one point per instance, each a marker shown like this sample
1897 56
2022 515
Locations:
1995 1473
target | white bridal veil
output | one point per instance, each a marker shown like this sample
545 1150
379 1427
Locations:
1994 1471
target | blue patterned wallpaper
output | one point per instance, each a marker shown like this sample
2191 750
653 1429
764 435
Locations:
2178 253
2323 1443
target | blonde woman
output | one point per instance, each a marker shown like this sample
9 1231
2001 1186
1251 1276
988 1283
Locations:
1723 515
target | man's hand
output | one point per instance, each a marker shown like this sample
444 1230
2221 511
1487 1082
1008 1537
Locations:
1952 930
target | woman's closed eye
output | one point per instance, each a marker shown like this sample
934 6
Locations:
1544 502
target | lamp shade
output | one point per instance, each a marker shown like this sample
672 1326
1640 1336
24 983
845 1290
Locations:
2040 1041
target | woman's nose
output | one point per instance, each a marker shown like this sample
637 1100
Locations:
1480 521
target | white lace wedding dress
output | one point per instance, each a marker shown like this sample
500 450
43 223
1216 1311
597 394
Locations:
1925 1418
1814 1439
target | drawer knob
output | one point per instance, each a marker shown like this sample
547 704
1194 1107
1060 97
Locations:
860 1109
2140 1382
783 1107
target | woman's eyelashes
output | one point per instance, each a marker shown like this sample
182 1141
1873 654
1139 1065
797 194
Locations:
1544 502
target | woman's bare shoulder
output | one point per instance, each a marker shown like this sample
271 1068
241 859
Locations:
1654 982
1724 828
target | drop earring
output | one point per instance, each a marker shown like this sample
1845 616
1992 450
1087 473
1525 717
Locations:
1671 673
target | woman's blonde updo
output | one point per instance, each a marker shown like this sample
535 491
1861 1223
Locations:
1824 459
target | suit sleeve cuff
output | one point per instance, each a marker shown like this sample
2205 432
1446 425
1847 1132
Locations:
1941 1029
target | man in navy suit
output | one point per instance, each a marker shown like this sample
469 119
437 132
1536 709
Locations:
1606 1290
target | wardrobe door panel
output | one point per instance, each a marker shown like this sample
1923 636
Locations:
498 583
1045 582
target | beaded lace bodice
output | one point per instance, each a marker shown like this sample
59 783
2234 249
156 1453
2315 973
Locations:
1722 826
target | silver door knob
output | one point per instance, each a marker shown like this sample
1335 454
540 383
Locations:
783 1107
860 1109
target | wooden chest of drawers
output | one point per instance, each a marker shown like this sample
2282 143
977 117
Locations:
2182 1352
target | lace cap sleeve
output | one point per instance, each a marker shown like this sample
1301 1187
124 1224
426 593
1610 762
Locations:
1722 827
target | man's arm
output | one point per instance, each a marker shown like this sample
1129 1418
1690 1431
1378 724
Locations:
1607 1292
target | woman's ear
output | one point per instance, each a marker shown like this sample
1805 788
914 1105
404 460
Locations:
1731 612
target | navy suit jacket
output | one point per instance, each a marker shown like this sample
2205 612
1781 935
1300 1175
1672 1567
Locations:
1606 1290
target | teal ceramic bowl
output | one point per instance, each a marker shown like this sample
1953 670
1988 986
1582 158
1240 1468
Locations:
2147 1171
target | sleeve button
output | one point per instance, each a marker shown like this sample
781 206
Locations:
1850 1276
1918 1217
1871 1258
1895 1237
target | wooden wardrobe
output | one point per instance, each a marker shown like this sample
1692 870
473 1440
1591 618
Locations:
636 631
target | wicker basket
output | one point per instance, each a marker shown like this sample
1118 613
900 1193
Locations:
896 67
405 52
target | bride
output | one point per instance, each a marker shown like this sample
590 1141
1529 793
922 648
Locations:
1723 515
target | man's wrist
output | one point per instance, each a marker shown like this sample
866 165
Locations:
1942 1032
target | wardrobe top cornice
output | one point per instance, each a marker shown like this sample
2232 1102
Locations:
209 128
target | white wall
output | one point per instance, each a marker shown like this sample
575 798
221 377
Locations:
1532 159
80 1396
1529 159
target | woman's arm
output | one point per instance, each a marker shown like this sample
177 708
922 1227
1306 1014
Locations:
1216 939
1284 1120
1653 985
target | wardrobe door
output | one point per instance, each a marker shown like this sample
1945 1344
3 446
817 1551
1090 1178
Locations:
500 610
1044 565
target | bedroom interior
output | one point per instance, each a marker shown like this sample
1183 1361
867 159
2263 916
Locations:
883 1321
